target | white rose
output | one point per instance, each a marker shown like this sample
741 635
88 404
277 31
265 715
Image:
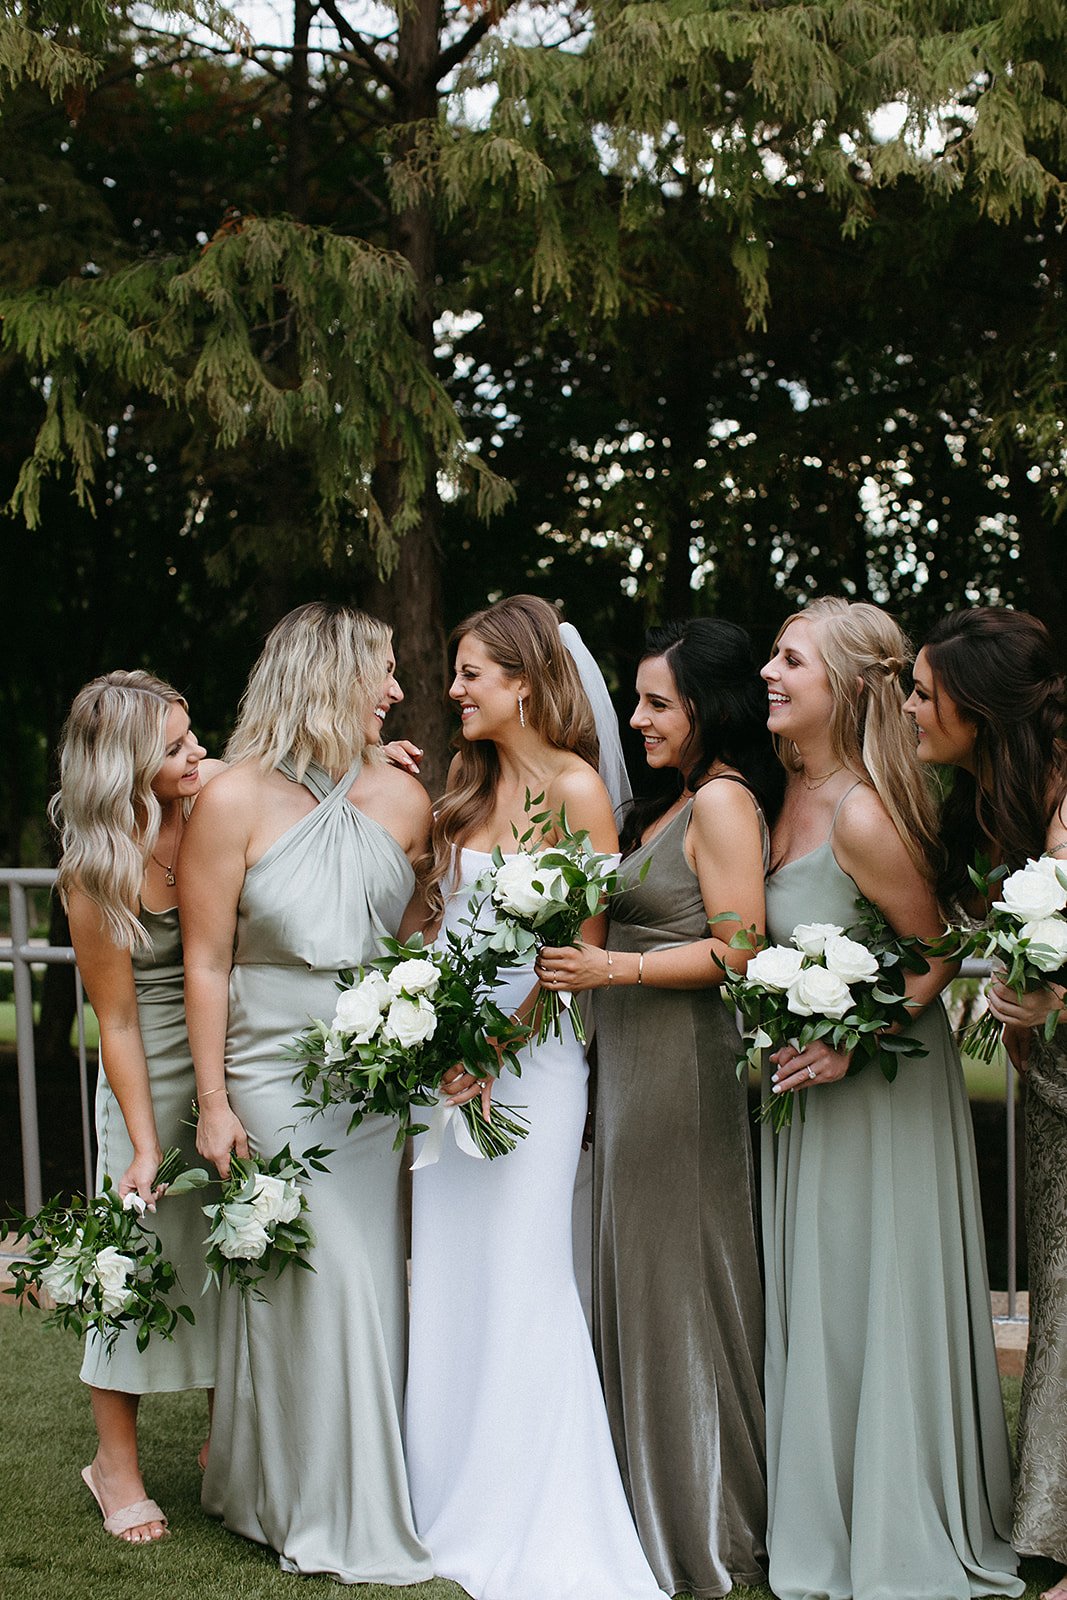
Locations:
112 1271
1051 932
818 993
133 1202
1049 866
776 967
410 1022
849 960
523 888
62 1277
811 937
1032 894
274 1199
359 1009
418 976
245 1240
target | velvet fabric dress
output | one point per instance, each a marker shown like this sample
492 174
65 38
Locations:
678 1300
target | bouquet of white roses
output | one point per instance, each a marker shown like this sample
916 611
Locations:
100 1263
258 1226
398 1028
1026 934
828 985
542 897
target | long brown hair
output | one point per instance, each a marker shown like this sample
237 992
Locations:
865 653
998 669
521 635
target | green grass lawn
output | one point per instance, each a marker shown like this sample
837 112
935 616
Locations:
52 1544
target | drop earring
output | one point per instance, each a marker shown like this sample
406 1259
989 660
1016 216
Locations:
522 714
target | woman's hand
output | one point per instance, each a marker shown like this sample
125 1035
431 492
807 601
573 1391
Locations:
458 1086
1017 1044
805 1069
219 1134
139 1175
574 967
403 754
1028 1010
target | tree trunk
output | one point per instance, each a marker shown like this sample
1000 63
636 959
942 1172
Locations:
296 174
410 598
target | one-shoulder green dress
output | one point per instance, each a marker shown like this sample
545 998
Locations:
887 1454
306 1448
187 1361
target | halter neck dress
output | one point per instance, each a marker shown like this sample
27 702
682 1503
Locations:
187 1361
306 1450
887 1454
678 1301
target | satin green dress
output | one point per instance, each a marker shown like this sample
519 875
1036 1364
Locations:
187 1361
1041 1487
306 1448
887 1454
677 1298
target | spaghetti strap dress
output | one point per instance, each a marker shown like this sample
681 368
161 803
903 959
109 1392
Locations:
306 1449
678 1300
187 1361
513 1476
887 1452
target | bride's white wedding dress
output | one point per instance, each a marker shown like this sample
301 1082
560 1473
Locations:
514 1481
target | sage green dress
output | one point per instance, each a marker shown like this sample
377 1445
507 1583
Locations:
1041 1488
677 1299
306 1452
187 1361
887 1454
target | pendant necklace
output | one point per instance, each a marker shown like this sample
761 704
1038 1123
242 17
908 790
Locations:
825 778
168 872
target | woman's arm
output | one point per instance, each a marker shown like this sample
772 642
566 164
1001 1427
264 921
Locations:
1033 1008
213 861
107 973
726 850
869 849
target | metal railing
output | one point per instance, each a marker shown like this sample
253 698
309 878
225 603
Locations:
22 955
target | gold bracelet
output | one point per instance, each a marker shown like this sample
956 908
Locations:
641 967
220 1090
611 969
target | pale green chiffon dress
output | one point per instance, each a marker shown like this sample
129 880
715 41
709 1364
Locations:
887 1453
306 1451
187 1361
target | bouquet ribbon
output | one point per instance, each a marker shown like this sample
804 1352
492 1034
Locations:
442 1116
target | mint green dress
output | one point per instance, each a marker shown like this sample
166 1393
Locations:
887 1453
187 1361
306 1451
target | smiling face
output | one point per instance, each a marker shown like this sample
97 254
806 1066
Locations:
945 736
390 694
486 695
179 776
799 697
661 719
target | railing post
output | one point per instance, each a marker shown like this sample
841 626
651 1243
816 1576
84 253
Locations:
27 1070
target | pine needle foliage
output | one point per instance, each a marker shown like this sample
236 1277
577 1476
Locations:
274 332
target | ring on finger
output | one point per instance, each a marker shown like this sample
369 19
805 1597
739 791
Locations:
810 1071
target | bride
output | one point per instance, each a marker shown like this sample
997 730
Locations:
514 1481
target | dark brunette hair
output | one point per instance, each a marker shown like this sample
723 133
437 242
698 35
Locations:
998 669
714 669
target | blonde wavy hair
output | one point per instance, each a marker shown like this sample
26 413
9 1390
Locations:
312 690
865 654
113 745
521 634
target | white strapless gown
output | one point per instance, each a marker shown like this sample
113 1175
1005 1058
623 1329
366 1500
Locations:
514 1481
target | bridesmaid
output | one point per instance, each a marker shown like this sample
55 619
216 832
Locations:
302 862
131 768
887 1456
989 701
677 1292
